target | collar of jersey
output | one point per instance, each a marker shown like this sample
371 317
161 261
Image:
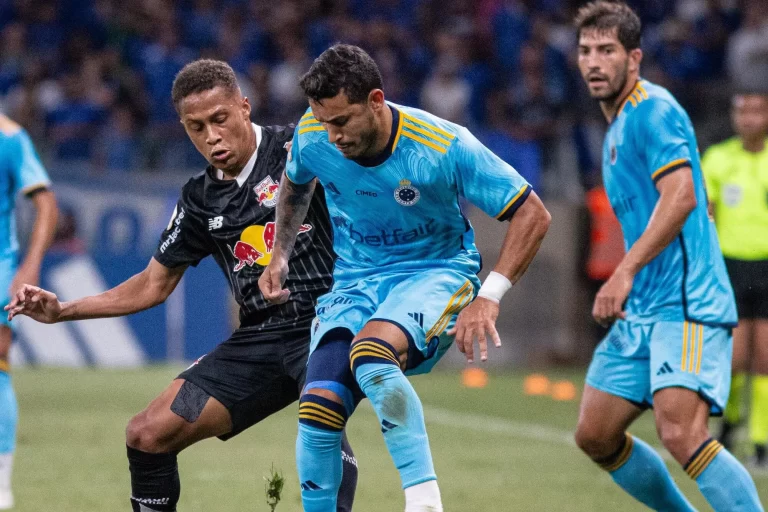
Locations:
248 169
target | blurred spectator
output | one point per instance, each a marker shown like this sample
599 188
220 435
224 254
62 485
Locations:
118 147
12 52
66 240
446 93
748 49
73 124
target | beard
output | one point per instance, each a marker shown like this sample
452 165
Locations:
615 87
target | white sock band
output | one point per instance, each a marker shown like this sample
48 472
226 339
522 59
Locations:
423 497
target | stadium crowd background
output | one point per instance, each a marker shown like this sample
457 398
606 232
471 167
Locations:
91 79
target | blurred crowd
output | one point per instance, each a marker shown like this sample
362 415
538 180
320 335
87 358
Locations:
91 79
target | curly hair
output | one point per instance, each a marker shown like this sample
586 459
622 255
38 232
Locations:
342 67
606 15
202 75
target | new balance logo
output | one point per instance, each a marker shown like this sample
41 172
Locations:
309 485
665 369
386 426
332 188
215 223
419 317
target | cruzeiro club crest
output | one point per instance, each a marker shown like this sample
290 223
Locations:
406 194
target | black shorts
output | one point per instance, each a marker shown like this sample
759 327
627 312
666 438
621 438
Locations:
253 375
750 285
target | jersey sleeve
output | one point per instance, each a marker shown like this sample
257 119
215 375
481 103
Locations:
663 136
295 168
486 180
29 174
183 241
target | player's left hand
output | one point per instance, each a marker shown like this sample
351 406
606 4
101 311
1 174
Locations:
609 301
476 321
24 275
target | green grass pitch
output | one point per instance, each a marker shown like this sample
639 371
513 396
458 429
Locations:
495 449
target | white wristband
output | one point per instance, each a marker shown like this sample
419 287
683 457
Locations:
494 287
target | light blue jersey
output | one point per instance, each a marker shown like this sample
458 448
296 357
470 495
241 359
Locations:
405 212
651 137
20 171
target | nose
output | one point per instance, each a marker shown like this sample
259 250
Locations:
334 134
212 136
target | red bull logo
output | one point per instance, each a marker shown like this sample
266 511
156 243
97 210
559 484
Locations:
256 244
266 192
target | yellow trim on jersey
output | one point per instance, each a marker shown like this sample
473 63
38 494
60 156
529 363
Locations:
424 141
437 138
685 346
4 366
701 347
429 126
307 115
456 303
694 343
309 121
635 96
311 129
702 460
668 166
512 201
642 90
632 100
399 131
319 409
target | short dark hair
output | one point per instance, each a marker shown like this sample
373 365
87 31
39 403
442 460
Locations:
202 75
605 15
342 67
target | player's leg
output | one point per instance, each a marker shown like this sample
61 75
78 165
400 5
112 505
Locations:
180 416
732 415
327 468
758 416
8 420
700 358
616 393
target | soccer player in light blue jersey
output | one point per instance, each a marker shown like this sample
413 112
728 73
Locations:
20 171
405 280
669 300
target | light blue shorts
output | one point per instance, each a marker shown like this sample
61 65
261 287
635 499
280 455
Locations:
8 268
635 360
423 304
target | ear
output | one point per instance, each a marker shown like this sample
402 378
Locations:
635 57
376 99
246 106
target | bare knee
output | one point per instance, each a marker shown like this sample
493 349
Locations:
597 442
150 436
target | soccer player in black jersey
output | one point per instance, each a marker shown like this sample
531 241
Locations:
227 212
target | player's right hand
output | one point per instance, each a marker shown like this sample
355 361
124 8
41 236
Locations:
36 303
272 279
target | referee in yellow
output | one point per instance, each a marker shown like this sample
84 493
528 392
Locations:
736 173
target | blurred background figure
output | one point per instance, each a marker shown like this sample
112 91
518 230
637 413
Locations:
736 171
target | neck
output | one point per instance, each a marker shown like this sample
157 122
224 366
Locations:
384 122
611 107
753 144
234 172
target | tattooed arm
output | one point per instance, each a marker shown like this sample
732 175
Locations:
292 205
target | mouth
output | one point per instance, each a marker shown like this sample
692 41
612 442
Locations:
221 155
596 81
344 148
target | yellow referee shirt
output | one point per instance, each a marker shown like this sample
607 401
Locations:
737 183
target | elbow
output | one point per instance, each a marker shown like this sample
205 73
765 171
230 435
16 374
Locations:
688 201
543 220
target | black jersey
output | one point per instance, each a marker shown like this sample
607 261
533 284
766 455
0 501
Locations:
236 225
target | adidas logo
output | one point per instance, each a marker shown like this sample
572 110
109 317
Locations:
419 317
386 426
665 369
309 485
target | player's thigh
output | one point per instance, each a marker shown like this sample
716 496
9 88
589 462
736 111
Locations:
681 416
5 342
695 357
603 420
742 345
180 416
759 346
347 307
621 364
423 306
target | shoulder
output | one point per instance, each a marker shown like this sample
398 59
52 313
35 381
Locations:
192 191
281 134
427 132
309 132
650 103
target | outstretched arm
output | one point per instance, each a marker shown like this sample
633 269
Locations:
146 289
525 233
677 200
292 206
